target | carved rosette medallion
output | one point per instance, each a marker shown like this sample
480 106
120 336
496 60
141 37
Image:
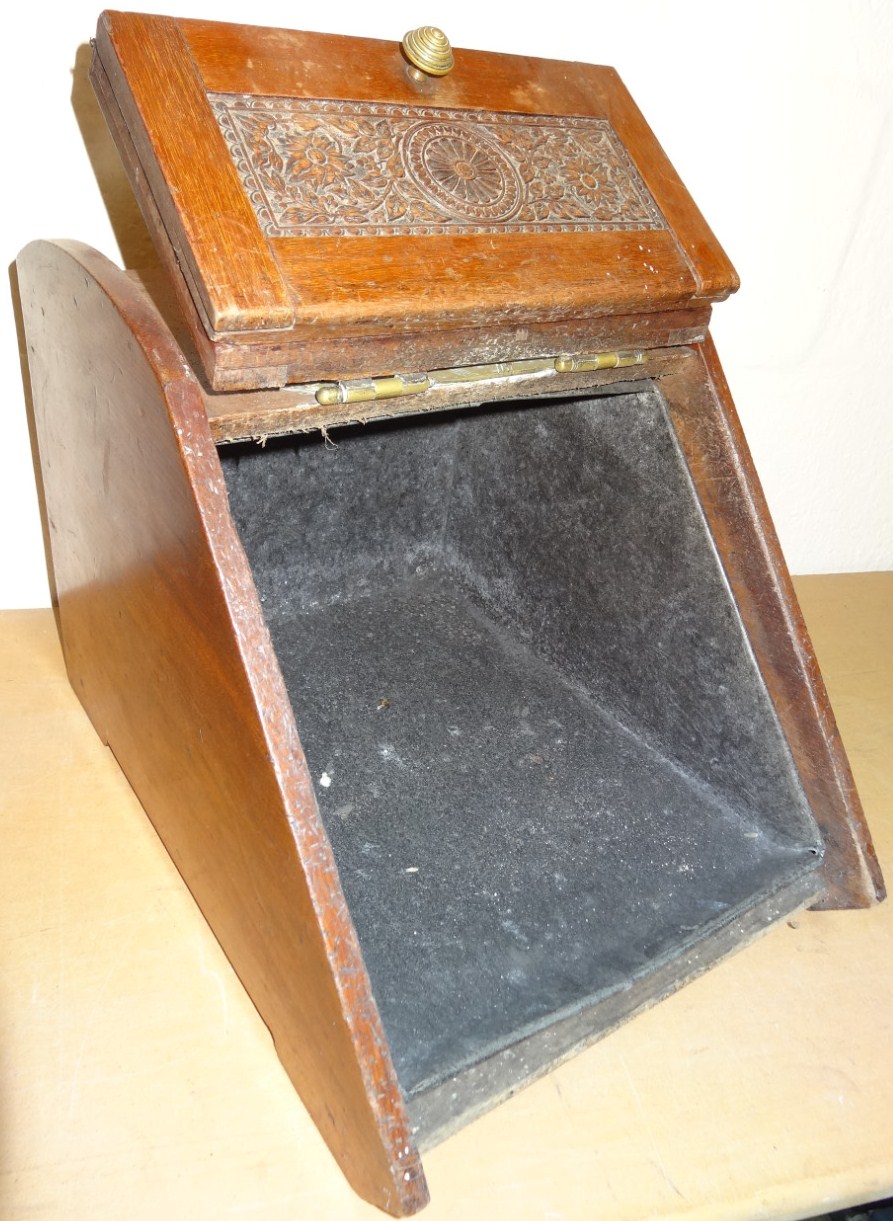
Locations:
462 172
334 168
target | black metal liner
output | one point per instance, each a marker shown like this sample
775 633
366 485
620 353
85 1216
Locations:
543 753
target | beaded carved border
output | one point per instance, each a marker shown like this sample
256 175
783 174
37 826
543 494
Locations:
322 168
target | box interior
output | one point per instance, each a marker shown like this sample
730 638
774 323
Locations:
542 750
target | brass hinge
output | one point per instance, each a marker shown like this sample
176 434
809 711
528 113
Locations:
371 389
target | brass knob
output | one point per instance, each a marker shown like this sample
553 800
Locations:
429 50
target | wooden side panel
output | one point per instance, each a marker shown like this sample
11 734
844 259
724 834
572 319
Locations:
710 434
206 213
166 646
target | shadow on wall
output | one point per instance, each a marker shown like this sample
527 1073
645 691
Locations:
32 430
126 219
130 232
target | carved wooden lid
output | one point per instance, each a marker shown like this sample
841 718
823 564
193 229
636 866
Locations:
323 211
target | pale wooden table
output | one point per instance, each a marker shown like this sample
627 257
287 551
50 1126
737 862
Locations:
137 1082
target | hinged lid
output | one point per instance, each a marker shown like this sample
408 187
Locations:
327 210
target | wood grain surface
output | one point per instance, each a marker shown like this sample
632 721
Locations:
268 62
205 213
293 295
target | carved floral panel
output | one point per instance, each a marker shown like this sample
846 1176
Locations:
342 168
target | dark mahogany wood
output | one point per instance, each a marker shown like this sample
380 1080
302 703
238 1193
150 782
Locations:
166 645
718 458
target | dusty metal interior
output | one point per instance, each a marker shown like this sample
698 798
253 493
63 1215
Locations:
548 766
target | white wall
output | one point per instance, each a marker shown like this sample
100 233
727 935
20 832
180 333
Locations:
778 114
